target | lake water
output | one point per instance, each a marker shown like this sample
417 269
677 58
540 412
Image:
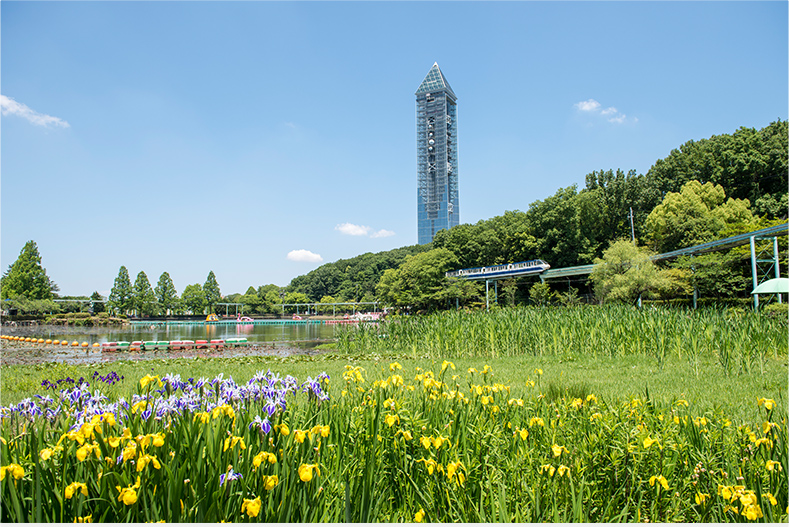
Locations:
264 340
255 334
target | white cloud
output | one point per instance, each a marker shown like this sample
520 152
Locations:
352 230
303 255
11 107
594 107
383 233
588 106
362 230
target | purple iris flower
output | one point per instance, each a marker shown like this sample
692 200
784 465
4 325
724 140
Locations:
230 476
262 424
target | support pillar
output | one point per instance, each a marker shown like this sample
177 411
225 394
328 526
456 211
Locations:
775 257
754 273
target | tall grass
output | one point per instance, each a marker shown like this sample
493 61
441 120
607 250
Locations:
740 341
439 446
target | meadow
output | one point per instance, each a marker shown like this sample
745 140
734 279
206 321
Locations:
511 416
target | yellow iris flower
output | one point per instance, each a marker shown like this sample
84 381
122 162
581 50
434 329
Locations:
648 442
419 516
701 498
74 487
271 482
145 459
658 479
305 472
558 449
251 507
768 404
148 379
128 495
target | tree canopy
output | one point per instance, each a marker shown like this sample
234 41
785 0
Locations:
420 282
694 215
26 277
193 299
625 273
211 291
166 294
749 164
120 300
144 299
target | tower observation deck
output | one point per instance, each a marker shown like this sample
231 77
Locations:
438 206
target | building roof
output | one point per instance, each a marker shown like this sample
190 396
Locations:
435 81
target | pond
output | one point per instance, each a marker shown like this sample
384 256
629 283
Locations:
255 333
279 339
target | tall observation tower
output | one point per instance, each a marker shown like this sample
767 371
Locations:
436 156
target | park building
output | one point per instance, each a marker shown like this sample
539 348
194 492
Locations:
436 156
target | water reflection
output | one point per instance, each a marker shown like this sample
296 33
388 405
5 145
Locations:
254 333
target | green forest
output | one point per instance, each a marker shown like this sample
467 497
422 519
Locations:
702 191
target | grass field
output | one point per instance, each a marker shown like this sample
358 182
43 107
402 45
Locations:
397 432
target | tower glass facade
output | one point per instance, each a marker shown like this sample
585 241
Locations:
436 156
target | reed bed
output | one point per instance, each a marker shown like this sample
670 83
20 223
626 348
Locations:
739 341
385 446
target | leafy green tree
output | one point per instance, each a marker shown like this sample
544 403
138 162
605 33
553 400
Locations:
295 298
193 299
541 294
166 294
695 215
570 298
328 299
604 208
26 278
121 296
211 292
625 273
353 278
143 297
250 300
420 282
750 164
98 305
509 289
27 306
555 227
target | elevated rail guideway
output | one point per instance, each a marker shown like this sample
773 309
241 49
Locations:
544 271
499 272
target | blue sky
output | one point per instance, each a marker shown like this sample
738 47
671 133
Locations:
195 136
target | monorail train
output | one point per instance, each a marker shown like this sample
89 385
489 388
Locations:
501 271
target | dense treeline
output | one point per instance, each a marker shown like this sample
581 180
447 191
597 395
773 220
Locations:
704 190
574 227
352 279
